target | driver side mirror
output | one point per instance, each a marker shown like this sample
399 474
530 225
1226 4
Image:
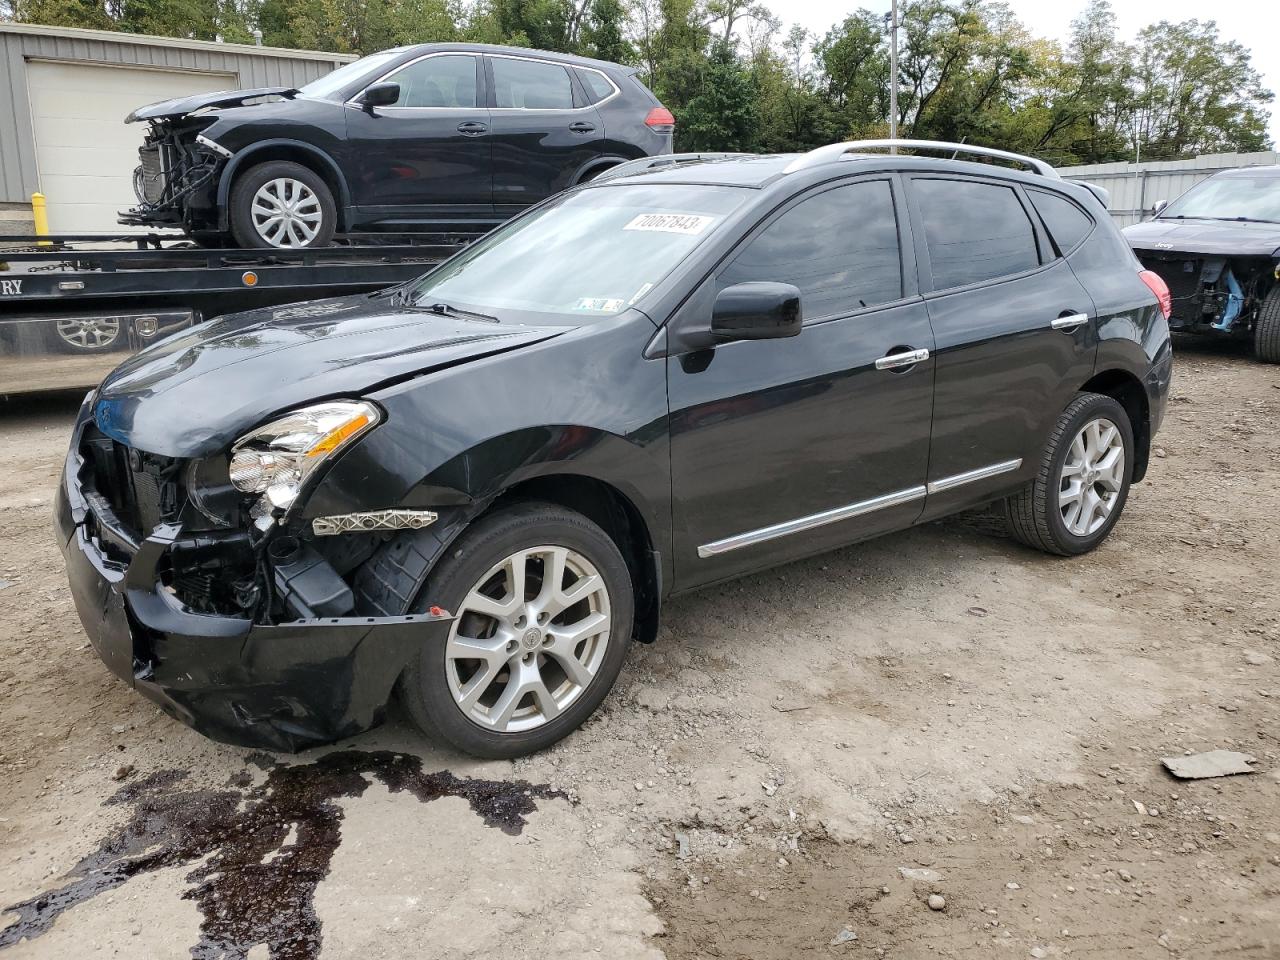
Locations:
758 310
1158 206
383 94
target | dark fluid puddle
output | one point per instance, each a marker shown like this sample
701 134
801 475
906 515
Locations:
243 900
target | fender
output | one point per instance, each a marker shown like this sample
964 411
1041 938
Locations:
597 165
240 160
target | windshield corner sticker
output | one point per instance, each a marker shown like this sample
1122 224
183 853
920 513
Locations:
690 224
599 304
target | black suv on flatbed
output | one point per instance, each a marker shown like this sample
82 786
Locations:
1218 248
478 487
449 137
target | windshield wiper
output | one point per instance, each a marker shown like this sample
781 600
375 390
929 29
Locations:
404 299
1184 216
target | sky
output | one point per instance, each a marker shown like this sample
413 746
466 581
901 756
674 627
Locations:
1253 23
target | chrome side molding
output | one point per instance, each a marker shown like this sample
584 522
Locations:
372 520
862 507
799 525
971 476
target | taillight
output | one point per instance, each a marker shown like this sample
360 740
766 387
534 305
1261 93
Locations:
661 120
1161 289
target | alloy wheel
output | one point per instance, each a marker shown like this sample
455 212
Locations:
528 639
286 213
89 333
1092 477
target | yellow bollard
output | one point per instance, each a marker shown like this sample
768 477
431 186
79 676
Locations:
40 215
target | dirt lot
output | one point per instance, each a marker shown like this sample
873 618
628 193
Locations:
940 702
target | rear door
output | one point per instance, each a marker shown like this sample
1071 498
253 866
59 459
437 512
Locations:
781 448
428 156
1015 331
543 130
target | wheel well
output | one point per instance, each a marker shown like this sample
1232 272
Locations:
605 506
299 155
1127 390
595 170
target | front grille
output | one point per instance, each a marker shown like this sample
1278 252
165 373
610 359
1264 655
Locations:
141 488
151 174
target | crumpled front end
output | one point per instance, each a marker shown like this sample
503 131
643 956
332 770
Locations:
236 640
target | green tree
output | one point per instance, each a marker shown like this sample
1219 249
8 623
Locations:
722 115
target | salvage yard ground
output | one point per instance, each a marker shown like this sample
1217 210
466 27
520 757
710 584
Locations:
797 764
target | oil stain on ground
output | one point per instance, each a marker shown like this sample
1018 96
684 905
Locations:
267 848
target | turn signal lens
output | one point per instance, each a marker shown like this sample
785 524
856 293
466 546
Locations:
1157 286
332 440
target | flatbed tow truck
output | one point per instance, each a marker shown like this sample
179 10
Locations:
72 307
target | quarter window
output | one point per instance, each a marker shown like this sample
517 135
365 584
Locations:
597 86
1067 223
840 247
974 231
448 81
531 85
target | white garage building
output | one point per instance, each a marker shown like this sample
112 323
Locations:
64 94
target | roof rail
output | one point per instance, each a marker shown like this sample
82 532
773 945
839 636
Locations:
837 151
647 164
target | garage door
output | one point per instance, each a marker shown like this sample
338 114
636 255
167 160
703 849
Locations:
85 151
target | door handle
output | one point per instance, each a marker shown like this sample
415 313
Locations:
473 128
581 126
1070 322
896 361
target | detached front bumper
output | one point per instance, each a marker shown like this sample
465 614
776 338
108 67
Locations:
281 687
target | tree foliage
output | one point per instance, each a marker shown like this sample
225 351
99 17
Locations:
736 80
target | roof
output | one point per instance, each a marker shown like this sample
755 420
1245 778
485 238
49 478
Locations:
147 40
1251 173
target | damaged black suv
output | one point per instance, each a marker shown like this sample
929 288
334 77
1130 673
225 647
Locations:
445 137
477 488
1218 248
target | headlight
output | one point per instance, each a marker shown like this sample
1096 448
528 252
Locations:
276 460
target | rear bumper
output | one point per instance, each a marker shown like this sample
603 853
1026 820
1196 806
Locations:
280 687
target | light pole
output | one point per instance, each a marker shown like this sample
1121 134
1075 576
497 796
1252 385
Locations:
892 17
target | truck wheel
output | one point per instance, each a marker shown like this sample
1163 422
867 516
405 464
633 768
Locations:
1266 331
543 606
1083 482
282 204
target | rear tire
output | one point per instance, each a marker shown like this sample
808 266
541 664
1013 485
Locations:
542 665
1266 331
284 205
1083 482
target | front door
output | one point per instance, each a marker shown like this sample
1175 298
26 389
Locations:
1016 336
781 448
543 131
429 155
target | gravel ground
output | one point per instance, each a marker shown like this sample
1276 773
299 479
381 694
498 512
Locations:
937 744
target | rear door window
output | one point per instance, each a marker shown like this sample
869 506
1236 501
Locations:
974 231
445 81
531 85
1067 223
840 247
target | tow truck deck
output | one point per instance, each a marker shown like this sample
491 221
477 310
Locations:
72 307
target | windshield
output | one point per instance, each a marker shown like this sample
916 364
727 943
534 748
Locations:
592 253
343 77
1229 198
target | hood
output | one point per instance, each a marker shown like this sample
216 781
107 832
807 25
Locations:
222 98
195 393
1232 238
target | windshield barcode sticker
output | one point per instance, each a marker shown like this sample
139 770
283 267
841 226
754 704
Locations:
690 224
599 304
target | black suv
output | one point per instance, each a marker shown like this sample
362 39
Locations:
1218 248
439 136
478 487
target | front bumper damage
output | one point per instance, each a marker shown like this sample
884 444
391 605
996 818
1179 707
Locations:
283 686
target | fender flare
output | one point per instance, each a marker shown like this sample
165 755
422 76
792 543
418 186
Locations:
242 159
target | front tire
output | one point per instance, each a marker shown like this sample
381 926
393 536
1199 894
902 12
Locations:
284 205
1083 482
543 606
1266 331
